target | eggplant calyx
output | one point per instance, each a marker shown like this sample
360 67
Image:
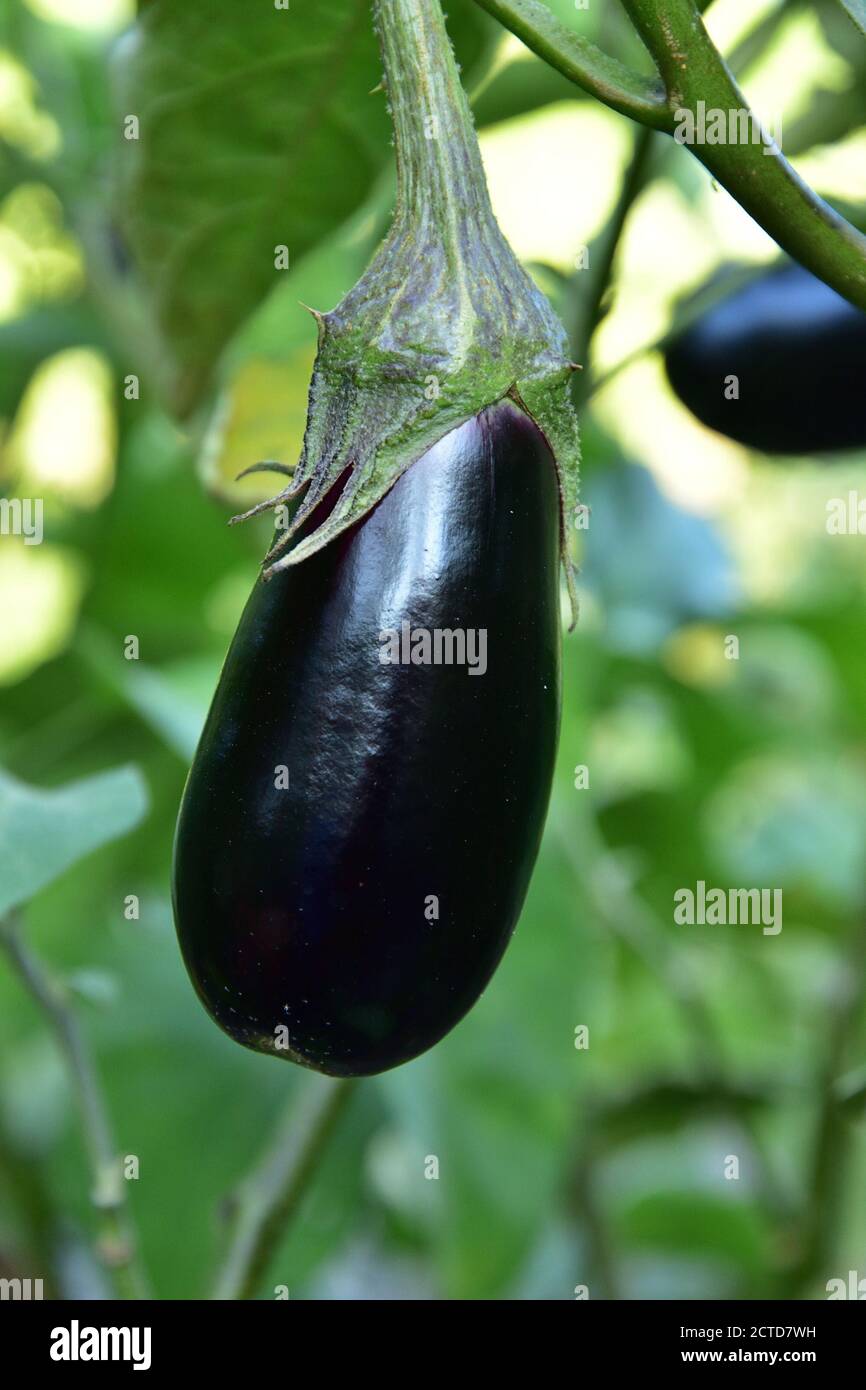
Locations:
444 322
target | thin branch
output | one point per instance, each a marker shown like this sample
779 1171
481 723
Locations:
756 173
851 1092
583 62
586 1200
692 71
605 252
686 312
637 175
115 1243
831 1144
270 1195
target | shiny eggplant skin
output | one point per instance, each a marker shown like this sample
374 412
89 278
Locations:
798 350
413 789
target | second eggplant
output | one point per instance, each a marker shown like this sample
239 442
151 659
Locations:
798 352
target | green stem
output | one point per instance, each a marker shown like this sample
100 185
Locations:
757 174
714 292
444 322
831 1145
586 64
270 1195
604 256
585 1197
691 70
116 1243
594 283
438 159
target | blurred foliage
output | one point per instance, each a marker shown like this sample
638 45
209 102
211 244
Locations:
560 1165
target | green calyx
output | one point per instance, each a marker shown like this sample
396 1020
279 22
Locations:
443 323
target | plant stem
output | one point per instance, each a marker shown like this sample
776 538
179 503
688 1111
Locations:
583 62
269 1196
831 1145
116 1244
602 264
439 169
758 175
692 71
586 1200
443 323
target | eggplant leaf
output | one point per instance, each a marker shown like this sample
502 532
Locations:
43 832
251 134
257 128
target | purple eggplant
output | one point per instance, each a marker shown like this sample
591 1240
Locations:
364 809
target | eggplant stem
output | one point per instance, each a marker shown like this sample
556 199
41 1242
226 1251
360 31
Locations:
269 1196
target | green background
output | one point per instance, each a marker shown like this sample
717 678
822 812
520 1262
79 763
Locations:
560 1167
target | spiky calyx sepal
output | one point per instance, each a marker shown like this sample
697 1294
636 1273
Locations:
443 323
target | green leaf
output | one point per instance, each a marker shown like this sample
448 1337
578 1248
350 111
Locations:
43 832
691 1222
27 341
173 699
856 11
97 987
257 128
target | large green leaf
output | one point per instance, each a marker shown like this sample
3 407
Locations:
172 699
43 832
258 128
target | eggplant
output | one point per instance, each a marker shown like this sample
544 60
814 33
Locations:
348 920
798 351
